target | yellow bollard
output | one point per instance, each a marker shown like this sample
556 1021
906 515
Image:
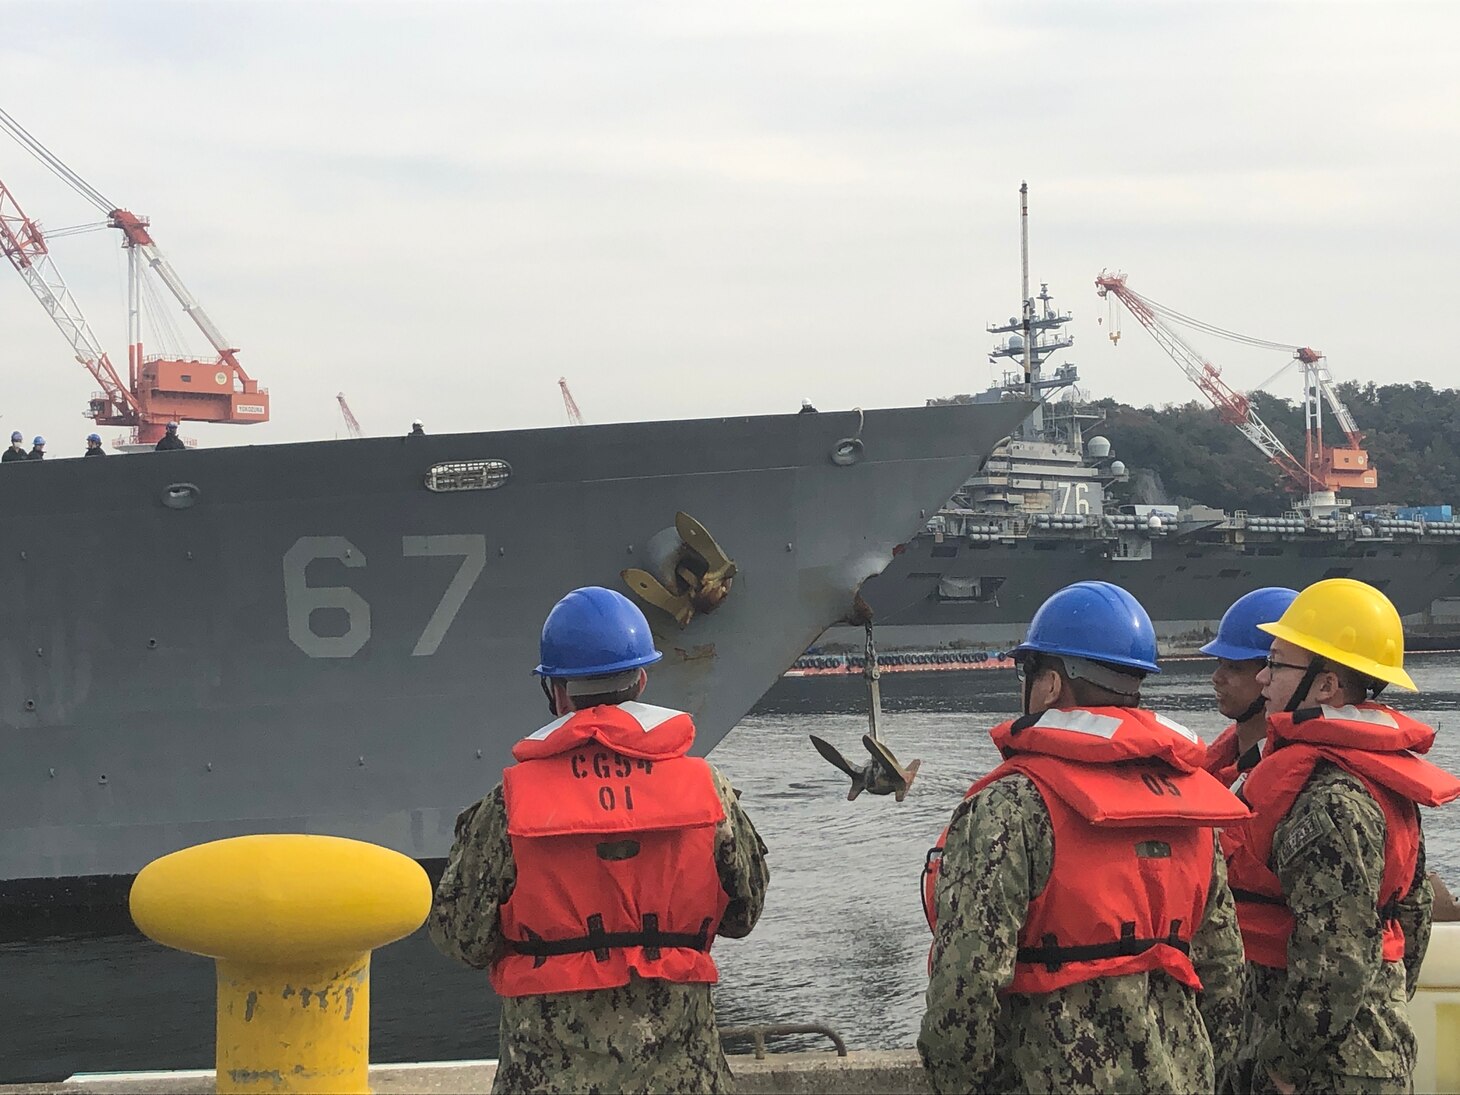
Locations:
291 921
1435 1012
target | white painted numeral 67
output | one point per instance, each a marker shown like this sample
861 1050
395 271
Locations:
302 600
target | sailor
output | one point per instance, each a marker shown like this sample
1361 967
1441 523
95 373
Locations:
806 407
169 440
16 450
1241 652
1329 875
93 445
593 879
38 449
1084 937
417 429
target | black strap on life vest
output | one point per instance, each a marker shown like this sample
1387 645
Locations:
600 942
1254 898
1052 956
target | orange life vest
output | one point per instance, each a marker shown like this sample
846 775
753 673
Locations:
613 837
1221 759
1126 792
1377 746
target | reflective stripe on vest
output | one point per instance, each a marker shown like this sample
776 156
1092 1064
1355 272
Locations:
1375 745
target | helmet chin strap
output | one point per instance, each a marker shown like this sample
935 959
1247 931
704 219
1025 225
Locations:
1253 709
1301 692
547 690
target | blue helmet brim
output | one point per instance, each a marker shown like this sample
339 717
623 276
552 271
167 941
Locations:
1095 656
1232 652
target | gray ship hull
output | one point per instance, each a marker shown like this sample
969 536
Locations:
1186 585
302 638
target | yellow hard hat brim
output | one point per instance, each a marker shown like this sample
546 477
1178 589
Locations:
1391 674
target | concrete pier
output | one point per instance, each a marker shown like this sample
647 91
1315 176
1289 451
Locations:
895 1072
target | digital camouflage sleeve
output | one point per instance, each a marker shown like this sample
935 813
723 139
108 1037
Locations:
645 1036
1335 1019
1136 1032
1416 911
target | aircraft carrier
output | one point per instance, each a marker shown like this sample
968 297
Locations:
336 637
1038 516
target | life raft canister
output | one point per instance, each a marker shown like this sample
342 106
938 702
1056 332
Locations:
1125 788
1377 746
613 838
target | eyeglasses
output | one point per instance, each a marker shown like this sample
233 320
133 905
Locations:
1272 665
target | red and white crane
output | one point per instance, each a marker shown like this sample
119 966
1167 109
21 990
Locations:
1323 467
159 389
575 416
352 424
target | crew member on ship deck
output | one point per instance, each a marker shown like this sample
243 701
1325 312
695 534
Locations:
1329 874
169 441
593 879
16 450
1241 651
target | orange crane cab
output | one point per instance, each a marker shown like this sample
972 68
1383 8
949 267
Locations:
159 389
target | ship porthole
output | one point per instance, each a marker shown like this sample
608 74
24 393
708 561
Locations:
181 495
847 451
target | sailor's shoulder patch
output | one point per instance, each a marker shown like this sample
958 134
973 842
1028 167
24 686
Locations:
1299 834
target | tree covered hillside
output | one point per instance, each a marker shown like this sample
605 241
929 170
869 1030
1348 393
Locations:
1187 453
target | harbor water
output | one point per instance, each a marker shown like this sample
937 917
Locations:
842 941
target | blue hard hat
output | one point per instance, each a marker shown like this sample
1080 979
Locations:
94 437
1238 638
594 632
172 425
39 440
1094 620
17 436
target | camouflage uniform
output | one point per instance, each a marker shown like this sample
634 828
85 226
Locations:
648 1035
1137 1032
1335 1019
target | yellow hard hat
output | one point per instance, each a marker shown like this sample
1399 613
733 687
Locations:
1348 623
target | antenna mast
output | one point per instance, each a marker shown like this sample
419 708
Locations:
1024 294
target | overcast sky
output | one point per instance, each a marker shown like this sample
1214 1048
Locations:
693 210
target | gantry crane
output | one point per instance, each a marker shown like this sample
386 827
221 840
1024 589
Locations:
575 416
159 389
1324 468
352 424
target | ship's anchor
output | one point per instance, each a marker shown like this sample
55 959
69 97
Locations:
694 575
882 774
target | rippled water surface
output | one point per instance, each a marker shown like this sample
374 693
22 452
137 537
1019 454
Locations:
842 940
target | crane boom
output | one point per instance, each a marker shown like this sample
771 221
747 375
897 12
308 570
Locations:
134 228
575 416
1234 407
24 245
351 422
